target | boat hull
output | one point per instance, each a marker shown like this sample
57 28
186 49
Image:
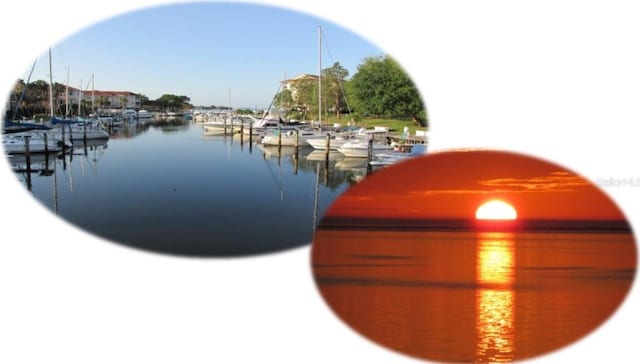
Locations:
17 143
362 151
289 137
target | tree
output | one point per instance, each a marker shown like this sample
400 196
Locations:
333 80
144 100
123 101
300 99
173 102
85 106
284 100
380 87
15 105
19 87
101 102
37 97
244 111
306 97
58 89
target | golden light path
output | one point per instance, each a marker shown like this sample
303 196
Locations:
496 210
495 301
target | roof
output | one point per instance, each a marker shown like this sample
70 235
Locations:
103 93
300 77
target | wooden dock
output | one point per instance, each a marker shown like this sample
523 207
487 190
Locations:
398 138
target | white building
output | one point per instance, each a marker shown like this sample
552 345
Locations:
291 84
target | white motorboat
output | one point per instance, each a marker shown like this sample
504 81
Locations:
335 142
388 158
219 129
292 137
392 157
222 124
337 139
209 130
131 114
262 126
144 114
361 148
38 142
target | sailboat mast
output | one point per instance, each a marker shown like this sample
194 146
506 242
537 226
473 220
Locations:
66 95
79 97
93 94
320 74
50 86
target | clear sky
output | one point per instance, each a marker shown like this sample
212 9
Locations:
214 53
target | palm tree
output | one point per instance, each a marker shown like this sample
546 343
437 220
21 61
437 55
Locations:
123 102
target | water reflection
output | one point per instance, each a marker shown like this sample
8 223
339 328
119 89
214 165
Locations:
87 154
495 311
456 296
163 186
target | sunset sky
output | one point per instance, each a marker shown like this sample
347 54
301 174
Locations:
452 185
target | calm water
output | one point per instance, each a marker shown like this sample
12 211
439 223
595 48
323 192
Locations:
470 296
167 188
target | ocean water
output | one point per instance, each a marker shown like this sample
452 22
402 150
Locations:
473 296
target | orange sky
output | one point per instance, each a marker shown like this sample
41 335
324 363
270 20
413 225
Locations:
452 185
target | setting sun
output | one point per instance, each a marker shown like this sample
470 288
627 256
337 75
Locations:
496 210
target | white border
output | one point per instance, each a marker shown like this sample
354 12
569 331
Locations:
555 79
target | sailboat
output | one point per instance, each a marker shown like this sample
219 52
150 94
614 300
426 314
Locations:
76 129
293 137
81 129
339 136
13 126
28 138
269 122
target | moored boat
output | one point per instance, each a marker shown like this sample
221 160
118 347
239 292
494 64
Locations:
292 136
32 142
79 129
337 138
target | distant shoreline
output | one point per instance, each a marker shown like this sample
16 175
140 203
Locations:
592 226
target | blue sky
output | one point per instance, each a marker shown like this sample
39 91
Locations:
211 52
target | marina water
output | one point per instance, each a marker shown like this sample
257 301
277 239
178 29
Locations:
166 187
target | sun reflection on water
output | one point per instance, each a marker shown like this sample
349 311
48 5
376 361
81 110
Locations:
495 316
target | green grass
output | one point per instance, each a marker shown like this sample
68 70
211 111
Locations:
394 125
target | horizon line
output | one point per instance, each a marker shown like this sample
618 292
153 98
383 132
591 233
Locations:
471 224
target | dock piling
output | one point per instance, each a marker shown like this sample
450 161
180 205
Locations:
46 144
369 156
327 146
27 154
62 130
